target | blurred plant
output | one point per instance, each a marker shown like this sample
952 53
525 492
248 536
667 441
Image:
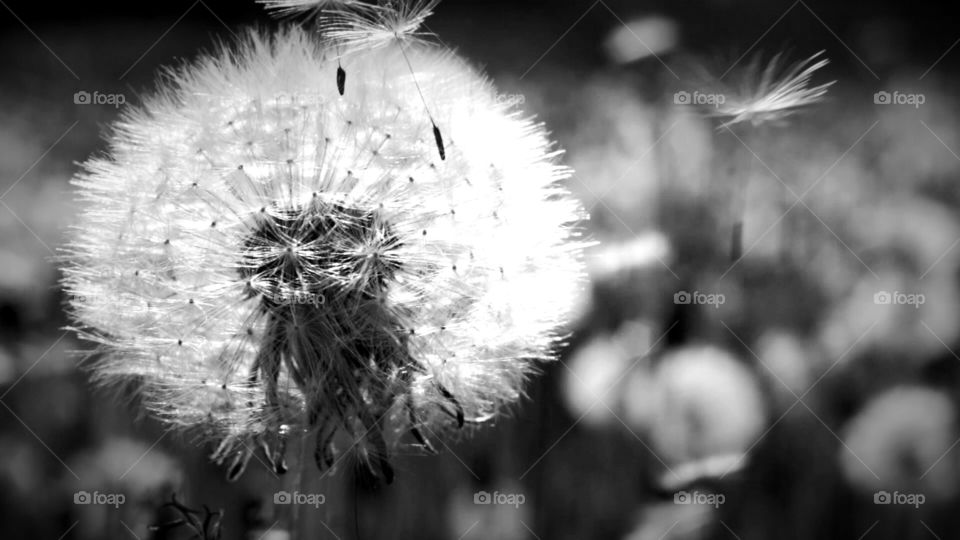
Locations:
207 529
597 368
901 440
271 258
708 411
143 485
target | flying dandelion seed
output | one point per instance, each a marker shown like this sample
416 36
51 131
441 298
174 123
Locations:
763 95
771 93
270 259
371 26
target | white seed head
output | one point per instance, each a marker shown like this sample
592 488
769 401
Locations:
709 404
269 257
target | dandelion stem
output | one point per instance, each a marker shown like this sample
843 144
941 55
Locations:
740 174
736 241
296 484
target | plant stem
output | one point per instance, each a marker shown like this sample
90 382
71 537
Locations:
296 524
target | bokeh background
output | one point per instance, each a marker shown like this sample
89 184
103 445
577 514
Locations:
805 389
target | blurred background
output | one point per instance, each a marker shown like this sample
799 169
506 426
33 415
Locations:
802 385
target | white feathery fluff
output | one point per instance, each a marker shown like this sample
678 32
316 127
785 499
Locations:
268 258
769 93
368 26
293 8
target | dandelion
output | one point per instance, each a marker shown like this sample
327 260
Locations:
270 259
709 411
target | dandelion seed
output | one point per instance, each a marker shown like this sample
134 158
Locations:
772 93
439 140
352 284
763 95
372 26
308 8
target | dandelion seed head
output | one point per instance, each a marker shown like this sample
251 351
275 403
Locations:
270 258
708 404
